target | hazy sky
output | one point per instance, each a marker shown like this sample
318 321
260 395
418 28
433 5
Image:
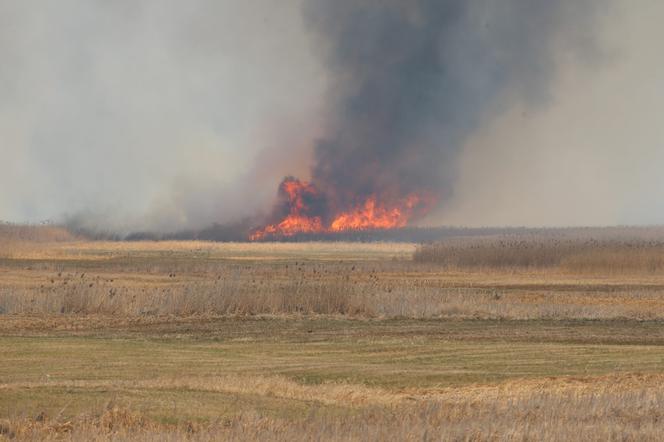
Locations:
169 114
594 154
130 109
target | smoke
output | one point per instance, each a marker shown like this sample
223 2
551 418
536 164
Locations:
150 114
593 154
165 115
411 81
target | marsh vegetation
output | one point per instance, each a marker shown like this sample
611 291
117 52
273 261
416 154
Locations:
492 338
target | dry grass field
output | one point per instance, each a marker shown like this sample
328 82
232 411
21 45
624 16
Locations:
470 339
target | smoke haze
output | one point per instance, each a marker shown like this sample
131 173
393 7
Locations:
150 114
410 81
166 115
591 155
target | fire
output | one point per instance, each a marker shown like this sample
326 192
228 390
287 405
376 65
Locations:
298 195
304 209
371 215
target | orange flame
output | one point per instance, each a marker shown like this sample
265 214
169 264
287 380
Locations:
370 214
296 221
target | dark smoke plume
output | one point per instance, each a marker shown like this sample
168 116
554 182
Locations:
411 80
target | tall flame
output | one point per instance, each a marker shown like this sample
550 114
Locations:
297 220
306 208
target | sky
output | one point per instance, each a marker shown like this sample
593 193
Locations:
593 155
166 115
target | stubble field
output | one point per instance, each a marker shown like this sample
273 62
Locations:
324 341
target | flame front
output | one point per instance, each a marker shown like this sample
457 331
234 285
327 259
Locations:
304 201
297 220
372 215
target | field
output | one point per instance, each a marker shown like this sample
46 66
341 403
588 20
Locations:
331 341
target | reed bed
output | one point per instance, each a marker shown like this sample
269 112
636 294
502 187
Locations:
569 253
363 290
543 275
34 233
166 287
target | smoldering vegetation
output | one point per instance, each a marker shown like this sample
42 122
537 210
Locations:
240 232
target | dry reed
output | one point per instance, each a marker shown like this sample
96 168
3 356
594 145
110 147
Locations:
548 414
574 254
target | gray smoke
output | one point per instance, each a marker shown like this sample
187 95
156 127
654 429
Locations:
149 114
411 80
167 115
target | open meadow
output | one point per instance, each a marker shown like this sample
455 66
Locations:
467 339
